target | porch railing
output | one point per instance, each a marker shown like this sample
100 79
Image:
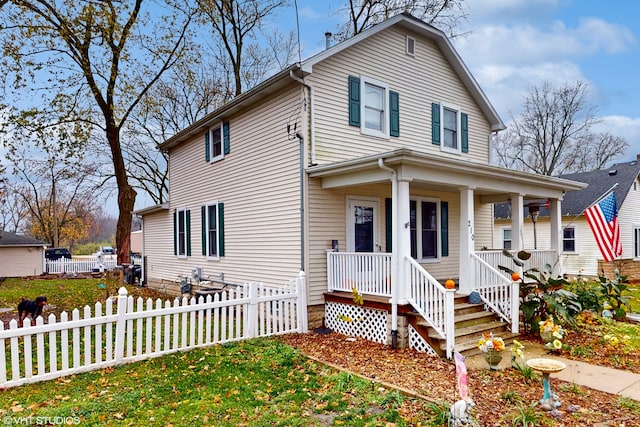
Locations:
432 301
539 259
500 294
369 273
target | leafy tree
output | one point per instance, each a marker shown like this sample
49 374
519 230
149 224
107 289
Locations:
98 60
554 136
364 14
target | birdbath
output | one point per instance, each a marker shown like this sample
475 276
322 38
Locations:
550 400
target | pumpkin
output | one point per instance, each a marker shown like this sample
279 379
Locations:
515 276
449 284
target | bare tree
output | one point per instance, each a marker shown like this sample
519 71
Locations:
99 59
235 23
553 135
364 14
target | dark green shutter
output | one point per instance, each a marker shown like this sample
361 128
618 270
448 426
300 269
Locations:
203 217
175 232
225 137
220 229
464 124
188 232
435 124
207 147
444 227
388 224
394 114
354 101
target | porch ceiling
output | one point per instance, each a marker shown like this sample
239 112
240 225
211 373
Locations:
491 183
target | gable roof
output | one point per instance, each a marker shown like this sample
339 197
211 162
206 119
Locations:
289 75
11 239
598 183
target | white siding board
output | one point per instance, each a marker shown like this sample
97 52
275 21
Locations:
21 261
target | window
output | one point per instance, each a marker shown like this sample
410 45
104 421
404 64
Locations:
636 241
506 238
217 142
373 107
449 128
410 46
182 233
568 239
212 230
423 228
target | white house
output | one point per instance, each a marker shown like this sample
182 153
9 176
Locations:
367 167
20 255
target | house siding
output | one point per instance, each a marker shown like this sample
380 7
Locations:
21 261
158 240
258 182
336 140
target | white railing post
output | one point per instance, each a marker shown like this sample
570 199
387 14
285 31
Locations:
515 307
121 323
449 321
301 304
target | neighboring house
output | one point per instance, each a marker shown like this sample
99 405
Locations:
20 255
580 255
378 147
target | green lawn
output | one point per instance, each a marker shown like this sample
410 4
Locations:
259 382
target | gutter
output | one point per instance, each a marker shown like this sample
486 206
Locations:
311 112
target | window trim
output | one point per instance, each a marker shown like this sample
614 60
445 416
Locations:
212 158
419 251
445 106
410 42
385 133
575 239
636 240
502 230
216 205
185 235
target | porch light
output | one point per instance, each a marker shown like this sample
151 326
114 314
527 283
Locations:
534 211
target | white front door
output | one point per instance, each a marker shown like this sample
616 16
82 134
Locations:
362 225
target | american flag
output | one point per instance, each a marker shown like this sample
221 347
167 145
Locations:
603 220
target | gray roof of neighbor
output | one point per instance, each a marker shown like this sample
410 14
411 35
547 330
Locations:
599 181
12 239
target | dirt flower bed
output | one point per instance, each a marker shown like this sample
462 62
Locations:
500 396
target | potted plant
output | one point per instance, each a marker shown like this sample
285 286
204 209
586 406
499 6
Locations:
492 349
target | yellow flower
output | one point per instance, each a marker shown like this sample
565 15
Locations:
557 344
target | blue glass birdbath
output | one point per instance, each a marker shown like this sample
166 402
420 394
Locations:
549 400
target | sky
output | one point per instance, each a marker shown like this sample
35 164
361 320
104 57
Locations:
514 45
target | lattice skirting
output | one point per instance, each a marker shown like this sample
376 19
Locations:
357 321
418 343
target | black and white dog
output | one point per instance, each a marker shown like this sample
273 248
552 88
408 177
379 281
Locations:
31 308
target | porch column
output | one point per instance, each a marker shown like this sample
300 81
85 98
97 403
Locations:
404 238
466 284
555 213
517 218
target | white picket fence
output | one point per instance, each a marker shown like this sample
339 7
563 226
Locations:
80 265
140 330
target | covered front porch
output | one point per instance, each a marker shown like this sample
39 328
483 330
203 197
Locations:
438 221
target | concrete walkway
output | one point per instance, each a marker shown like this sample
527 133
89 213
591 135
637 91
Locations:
608 380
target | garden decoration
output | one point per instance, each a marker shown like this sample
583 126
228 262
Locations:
491 348
551 334
550 400
461 410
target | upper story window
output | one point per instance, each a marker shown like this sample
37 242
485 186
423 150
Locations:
568 239
217 142
373 107
410 46
449 128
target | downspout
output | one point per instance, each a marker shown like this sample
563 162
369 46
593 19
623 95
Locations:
394 253
311 112
301 139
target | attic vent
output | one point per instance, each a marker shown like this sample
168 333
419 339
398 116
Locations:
612 172
411 46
